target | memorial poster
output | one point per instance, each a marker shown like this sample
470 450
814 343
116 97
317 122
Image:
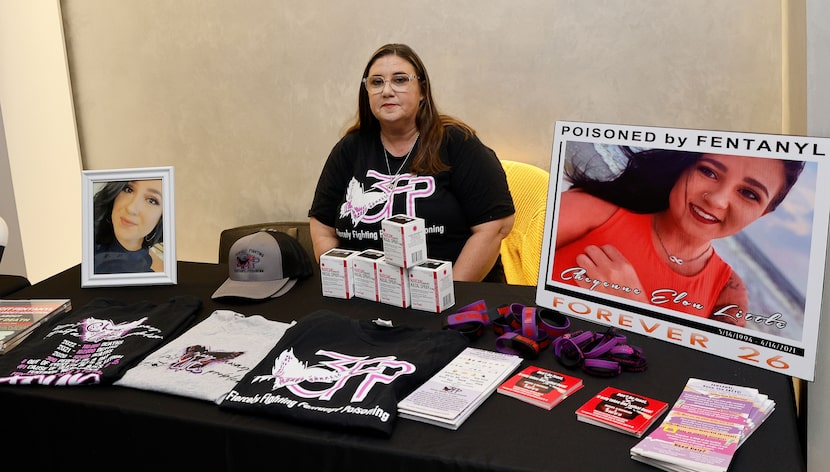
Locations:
712 240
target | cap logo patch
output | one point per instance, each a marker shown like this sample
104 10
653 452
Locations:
247 262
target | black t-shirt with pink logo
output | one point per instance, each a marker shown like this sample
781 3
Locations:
359 187
335 371
97 343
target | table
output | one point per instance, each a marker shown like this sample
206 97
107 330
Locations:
108 426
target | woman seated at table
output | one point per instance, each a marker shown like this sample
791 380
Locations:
402 156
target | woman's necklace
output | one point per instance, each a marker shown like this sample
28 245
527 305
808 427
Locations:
671 257
394 183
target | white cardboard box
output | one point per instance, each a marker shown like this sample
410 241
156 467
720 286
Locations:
365 271
431 287
404 240
336 273
393 284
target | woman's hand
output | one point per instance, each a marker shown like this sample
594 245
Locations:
608 268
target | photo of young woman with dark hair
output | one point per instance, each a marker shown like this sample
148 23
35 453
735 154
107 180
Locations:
128 227
646 230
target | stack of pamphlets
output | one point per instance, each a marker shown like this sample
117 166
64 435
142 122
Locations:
18 318
704 428
621 411
458 389
541 387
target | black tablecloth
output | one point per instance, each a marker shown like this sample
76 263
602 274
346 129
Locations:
104 427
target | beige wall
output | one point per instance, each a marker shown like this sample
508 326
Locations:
246 99
41 142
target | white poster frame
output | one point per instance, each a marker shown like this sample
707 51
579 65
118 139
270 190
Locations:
764 340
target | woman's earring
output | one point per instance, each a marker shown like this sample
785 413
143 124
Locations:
151 236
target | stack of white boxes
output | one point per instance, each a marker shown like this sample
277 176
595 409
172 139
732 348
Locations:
400 275
404 246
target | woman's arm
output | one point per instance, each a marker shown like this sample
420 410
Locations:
323 237
481 250
732 303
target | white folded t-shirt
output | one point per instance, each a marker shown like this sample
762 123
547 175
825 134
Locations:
208 360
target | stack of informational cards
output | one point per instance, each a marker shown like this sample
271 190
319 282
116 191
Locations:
541 387
704 428
458 389
621 411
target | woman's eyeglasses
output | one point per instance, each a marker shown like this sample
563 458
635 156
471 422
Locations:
398 82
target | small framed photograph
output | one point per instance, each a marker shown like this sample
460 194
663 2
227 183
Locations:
129 235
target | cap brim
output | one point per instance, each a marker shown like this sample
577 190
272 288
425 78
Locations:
252 289
285 288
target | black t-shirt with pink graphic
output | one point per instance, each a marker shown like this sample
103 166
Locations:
358 189
335 371
97 343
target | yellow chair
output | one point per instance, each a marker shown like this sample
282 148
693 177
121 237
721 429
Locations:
521 250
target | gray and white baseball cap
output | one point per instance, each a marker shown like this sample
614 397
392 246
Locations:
265 264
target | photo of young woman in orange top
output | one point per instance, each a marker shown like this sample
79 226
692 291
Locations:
128 227
646 234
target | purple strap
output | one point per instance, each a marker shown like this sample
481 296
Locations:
600 354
